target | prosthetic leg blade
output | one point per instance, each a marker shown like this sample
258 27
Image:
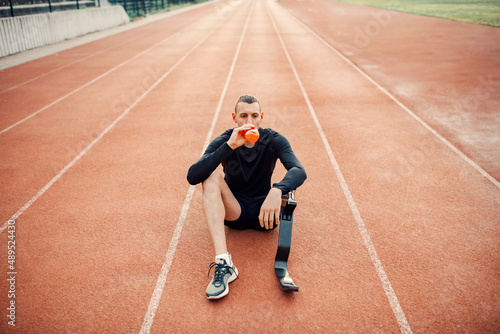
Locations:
284 242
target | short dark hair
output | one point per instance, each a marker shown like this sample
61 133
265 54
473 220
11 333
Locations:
247 99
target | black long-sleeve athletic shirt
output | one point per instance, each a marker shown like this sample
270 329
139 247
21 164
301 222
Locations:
248 171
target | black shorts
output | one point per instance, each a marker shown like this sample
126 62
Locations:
249 218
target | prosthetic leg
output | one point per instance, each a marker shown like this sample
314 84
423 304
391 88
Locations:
284 241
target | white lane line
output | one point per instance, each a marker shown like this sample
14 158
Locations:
162 277
405 108
386 284
94 80
114 31
47 50
86 149
67 65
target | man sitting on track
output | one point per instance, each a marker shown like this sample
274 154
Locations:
243 198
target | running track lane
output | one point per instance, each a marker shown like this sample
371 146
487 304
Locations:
259 313
356 302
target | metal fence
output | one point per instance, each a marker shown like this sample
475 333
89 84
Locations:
136 8
11 8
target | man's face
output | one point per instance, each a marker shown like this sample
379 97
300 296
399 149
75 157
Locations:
248 113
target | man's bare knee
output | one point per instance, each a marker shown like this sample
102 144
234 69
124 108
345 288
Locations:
215 188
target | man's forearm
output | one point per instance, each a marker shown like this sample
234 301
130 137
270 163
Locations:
202 169
292 180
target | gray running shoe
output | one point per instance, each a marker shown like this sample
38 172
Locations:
224 274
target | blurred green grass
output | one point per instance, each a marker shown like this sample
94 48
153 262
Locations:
479 11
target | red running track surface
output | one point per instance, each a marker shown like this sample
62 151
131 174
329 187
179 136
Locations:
396 229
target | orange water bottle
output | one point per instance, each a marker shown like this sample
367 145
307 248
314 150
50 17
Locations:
251 135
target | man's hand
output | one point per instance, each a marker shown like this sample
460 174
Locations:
237 139
270 209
